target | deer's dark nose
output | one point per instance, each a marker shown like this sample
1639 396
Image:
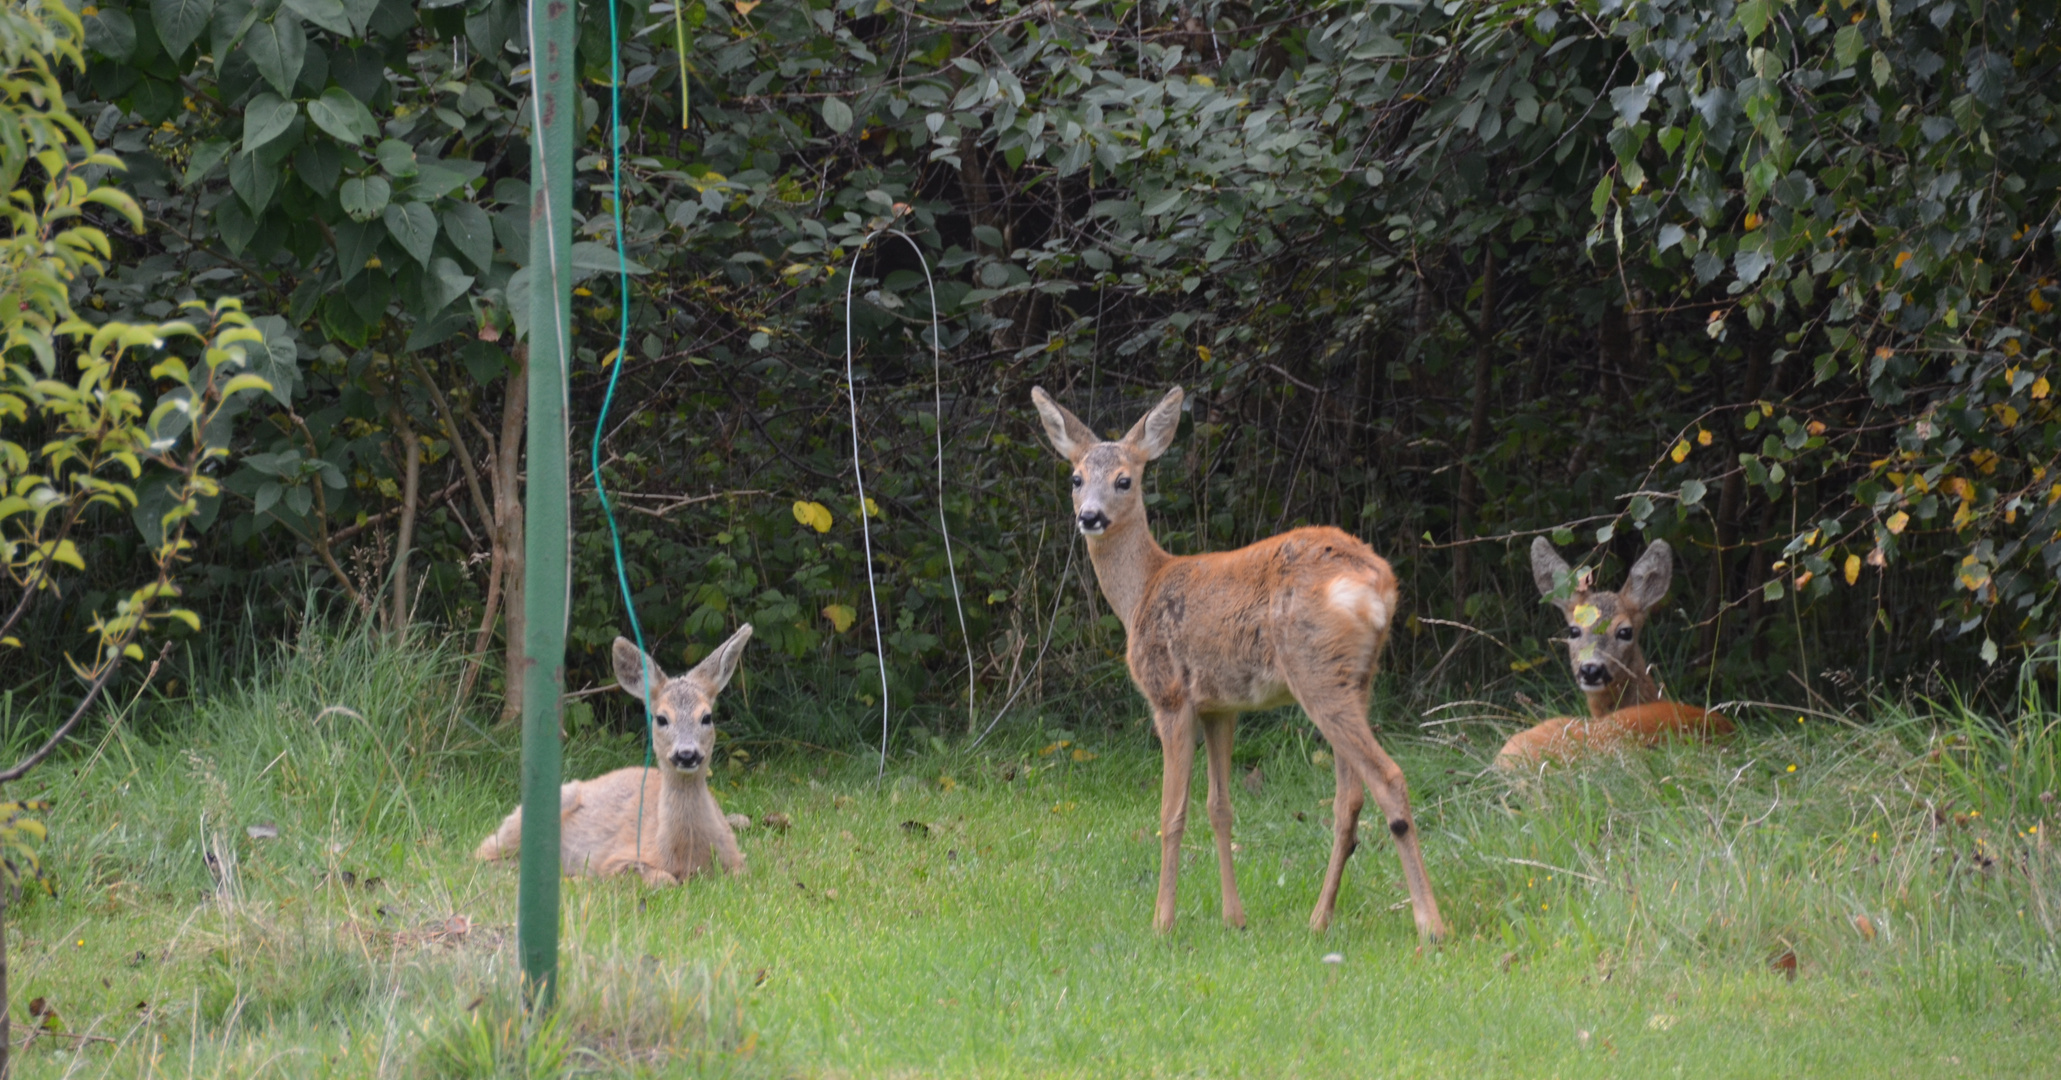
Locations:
688 759
1094 521
1594 674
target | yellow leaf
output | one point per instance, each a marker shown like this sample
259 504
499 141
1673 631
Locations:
1898 520
813 514
1585 616
947 783
2040 388
873 508
1203 352
1853 569
1902 257
1703 436
1082 755
2039 303
1681 452
744 6
841 616
610 358
1202 80
11 641
1060 745
1752 221
133 651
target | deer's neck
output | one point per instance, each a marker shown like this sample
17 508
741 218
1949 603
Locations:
1635 688
1125 558
675 830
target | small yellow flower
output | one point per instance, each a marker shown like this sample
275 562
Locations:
1792 768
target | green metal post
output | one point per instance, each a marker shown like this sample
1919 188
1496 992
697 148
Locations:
555 107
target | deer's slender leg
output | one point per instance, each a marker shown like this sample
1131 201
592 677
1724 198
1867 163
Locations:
1217 732
1384 780
1339 709
1177 748
1345 836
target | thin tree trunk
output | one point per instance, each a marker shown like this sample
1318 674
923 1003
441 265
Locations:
411 490
508 521
1728 522
6 1025
1477 428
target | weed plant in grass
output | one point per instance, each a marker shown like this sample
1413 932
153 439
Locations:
278 885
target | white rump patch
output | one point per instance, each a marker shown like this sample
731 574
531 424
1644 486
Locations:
1356 596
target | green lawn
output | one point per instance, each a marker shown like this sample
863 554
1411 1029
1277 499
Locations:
988 915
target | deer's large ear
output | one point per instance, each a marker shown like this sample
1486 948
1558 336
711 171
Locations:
1547 568
1069 436
714 673
633 669
1154 432
1647 583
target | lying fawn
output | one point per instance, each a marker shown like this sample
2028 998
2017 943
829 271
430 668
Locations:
681 827
1299 617
1625 704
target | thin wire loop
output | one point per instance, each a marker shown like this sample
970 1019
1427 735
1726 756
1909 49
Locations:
858 473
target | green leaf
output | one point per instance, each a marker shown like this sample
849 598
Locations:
111 32
344 117
1880 66
278 363
1773 590
837 114
356 241
363 197
590 258
1847 44
179 22
266 118
360 13
1754 15
267 497
414 225
278 47
450 279
1692 492
327 14
203 160
318 163
1600 198
255 181
234 225
472 232
397 158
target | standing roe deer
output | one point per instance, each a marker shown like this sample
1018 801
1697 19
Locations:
1298 617
682 826
1625 704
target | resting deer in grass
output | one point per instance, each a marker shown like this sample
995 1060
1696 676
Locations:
682 827
1625 706
1300 617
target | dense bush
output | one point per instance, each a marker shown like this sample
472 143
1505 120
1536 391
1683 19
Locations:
1771 282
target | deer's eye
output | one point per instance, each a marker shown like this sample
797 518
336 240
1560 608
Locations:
708 720
1077 480
1123 483
1574 631
1624 633
660 719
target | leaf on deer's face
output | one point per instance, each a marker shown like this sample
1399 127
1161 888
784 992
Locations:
1585 616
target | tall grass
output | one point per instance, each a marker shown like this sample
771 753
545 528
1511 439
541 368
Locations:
1817 898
